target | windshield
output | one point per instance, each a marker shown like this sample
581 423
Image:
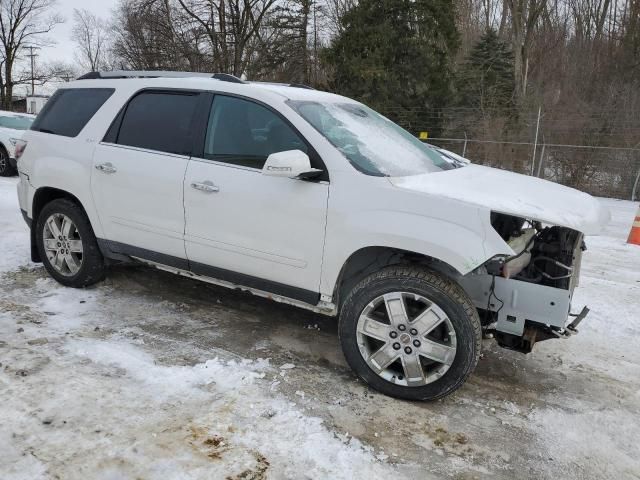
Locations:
372 143
16 123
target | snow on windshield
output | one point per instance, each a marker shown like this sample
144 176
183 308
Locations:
371 142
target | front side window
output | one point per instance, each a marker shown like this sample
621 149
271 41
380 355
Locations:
242 132
16 122
70 109
372 143
159 121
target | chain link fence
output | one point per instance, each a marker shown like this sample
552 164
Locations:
596 151
602 171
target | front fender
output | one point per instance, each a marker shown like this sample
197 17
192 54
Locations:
460 244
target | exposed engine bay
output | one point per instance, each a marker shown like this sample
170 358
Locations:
526 297
544 255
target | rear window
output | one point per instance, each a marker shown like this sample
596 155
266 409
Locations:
68 110
159 121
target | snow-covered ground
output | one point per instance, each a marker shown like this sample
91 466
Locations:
150 376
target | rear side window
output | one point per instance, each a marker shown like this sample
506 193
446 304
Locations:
68 110
159 121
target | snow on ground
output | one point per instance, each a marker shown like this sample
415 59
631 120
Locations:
13 228
150 376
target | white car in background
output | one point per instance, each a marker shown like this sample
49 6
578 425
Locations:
12 126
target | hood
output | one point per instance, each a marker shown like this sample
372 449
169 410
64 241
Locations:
514 194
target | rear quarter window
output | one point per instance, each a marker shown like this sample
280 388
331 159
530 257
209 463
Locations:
68 110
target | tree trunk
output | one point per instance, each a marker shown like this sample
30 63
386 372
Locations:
304 32
7 101
503 18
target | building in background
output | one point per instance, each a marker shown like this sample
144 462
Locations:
29 104
35 103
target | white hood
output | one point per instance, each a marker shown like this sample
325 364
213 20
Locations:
514 194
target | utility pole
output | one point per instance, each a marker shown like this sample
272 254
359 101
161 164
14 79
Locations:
33 57
535 142
464 148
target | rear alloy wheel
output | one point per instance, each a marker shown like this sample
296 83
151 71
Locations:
6 170
62 244
410 333
67 245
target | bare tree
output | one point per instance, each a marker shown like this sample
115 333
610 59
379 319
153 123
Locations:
22 23
524 17
230 26
334 11
158 34
91 37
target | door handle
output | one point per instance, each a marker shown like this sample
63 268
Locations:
106 168
206 187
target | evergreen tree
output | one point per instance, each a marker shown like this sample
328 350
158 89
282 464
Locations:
395 56
486 80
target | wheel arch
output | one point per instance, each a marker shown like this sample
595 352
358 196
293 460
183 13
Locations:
371 259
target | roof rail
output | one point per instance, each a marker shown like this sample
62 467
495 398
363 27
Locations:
300 85
225 77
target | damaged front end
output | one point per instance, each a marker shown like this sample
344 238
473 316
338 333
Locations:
526 297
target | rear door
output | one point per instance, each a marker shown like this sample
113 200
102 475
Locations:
260 231
138 174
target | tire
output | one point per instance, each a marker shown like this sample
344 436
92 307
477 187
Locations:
78 265
420 298
6 170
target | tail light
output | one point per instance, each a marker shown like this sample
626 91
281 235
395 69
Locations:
20 146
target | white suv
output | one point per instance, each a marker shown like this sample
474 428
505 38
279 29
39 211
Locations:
307 198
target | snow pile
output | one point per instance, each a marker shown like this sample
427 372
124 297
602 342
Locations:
240 411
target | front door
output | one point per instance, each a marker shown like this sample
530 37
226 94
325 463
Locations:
245 227
138 175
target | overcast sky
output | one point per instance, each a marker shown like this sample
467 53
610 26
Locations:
64 47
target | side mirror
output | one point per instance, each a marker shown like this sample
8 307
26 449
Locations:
290 164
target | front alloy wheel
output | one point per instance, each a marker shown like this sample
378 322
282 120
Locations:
410 332
406 339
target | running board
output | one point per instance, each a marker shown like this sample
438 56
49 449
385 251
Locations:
323 307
